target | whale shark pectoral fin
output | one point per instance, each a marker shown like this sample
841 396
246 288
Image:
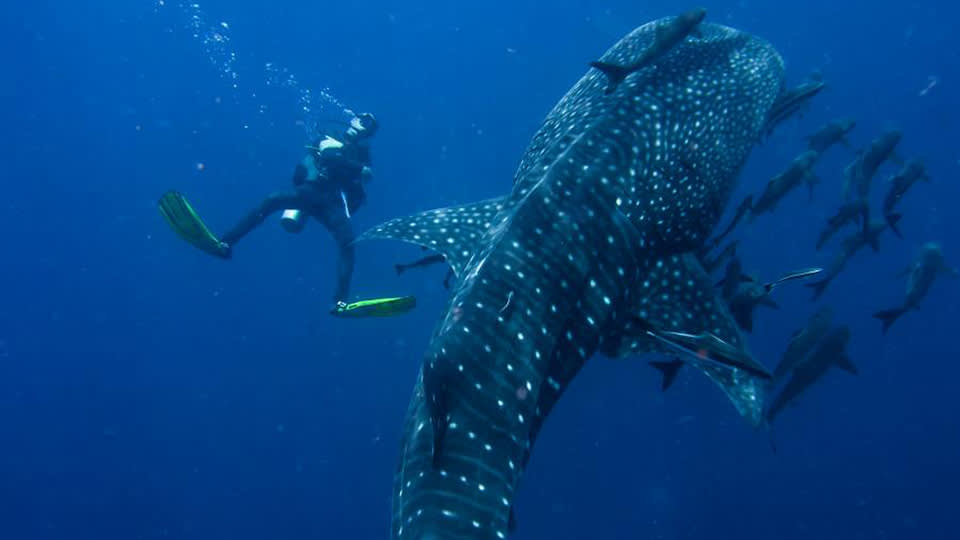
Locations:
454 231
676 310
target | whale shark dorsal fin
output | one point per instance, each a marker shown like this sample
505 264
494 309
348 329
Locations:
695 324
454 231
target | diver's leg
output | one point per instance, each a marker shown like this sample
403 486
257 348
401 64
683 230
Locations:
273 203
339 226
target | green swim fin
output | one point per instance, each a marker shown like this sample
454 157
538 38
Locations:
184 221
377 307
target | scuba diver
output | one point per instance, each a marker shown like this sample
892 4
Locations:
328 186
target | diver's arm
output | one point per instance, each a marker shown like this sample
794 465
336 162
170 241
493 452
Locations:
366 165
274 202
300 174
306 171
355 159
364 156
366 173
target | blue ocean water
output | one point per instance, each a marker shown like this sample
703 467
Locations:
150 391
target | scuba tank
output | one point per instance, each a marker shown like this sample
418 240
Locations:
293 220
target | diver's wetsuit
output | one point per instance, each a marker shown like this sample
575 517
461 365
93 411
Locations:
327 187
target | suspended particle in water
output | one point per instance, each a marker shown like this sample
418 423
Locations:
931 82
201 166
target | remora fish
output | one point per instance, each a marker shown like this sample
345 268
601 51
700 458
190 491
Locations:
860 172
857 211
703 348
733 277
711 265
900 183
744 301
429 260
669 34
745 206
611 201
920 276
424 262
791 101
869 236
830 134
832 351
802 342
800 170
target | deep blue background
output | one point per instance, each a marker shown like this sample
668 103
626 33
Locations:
150 391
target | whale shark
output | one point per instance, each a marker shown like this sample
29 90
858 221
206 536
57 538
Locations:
592 252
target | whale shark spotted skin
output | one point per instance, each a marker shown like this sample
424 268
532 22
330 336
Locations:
593 246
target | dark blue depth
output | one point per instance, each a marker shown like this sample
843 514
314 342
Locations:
150 391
